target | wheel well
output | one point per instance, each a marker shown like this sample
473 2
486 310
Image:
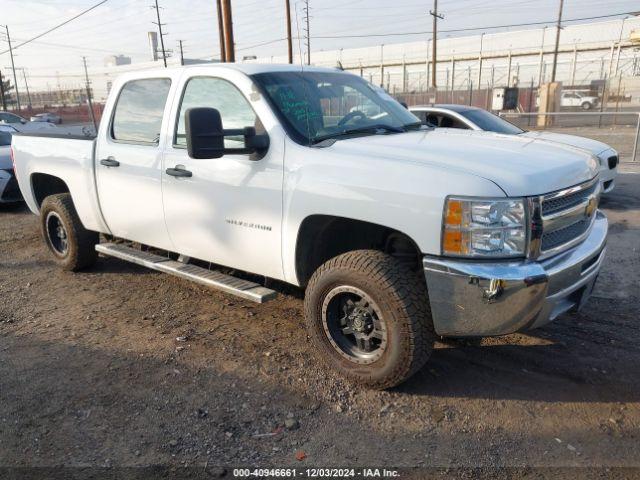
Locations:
44 185
322 237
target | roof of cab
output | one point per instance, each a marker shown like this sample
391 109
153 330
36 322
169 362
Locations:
246 68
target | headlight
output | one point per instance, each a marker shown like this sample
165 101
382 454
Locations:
484 228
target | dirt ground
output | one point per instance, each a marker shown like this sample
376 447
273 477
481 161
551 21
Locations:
120 366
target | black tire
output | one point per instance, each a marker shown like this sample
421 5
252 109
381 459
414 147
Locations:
586 106
399 294
77 249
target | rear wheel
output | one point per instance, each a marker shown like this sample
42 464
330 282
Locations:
72 246
367 314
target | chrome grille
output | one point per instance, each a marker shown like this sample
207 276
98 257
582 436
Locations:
564 218
558 204
564 235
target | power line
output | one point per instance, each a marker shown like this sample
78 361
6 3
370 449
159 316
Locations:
469 29
57 26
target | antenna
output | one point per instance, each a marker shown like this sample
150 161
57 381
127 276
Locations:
88 86
304 85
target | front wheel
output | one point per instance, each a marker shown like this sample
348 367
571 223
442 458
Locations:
586 106
72 246
368 316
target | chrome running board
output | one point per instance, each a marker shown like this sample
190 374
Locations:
209 278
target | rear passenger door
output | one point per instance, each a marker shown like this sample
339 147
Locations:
128 163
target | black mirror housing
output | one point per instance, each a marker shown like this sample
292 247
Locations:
205 136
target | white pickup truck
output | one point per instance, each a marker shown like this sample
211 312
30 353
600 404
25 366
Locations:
399 233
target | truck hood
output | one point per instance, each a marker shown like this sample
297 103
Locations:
519 165
593 146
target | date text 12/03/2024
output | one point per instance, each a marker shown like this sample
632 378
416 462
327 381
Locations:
316 473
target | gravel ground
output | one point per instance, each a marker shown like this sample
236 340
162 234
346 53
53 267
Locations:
120 366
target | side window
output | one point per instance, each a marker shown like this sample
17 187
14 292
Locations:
139 110
223 96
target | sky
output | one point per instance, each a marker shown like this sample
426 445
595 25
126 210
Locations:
121 26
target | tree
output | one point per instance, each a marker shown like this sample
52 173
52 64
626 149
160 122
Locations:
5 91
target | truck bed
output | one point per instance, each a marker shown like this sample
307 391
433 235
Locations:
46 159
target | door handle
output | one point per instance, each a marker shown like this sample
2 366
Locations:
178 172
109 162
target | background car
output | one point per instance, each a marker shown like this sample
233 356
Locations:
578 100
11 118
9 190
47 117
472 118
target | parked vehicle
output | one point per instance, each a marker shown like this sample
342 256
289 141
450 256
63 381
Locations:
11 118
9 191
574 99
471 118
47 117
397 232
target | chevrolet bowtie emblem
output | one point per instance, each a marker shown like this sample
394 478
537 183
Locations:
591 207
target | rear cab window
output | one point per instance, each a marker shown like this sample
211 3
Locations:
139 110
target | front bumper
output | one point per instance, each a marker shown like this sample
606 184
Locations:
496 298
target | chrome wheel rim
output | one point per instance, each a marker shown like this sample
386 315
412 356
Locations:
353 324
57 234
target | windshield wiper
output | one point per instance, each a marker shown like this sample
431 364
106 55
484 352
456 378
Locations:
354 131
409 126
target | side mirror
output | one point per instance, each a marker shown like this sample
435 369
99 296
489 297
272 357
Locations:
205 135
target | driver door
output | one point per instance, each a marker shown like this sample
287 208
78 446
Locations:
229 211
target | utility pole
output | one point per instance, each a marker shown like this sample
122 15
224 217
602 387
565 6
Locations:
555 51
223 50
289 38
227 18
159 24
13 68
88 85
26 85
181 53
436 16
307 30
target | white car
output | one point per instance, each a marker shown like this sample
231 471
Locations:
9 191
48 118
578 100
472 118
398 233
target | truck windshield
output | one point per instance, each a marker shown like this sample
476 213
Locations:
489 122
317 106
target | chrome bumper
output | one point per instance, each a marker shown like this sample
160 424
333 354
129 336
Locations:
495 298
